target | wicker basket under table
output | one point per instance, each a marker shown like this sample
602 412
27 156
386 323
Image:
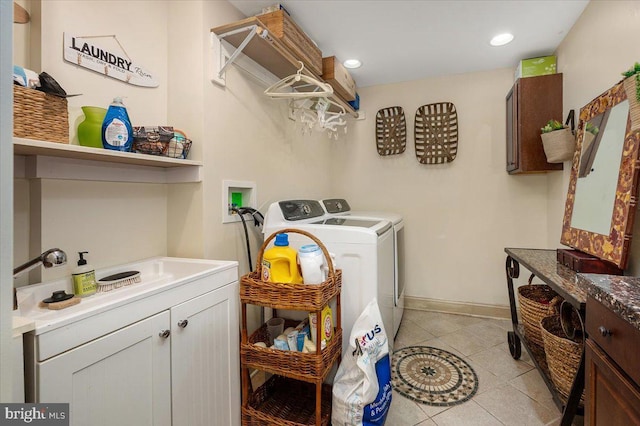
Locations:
294 367
563 355
536 302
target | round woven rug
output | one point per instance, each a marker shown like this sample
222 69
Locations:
432 376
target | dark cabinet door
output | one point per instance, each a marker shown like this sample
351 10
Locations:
531 102
612 398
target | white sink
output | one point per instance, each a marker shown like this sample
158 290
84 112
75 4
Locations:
157 274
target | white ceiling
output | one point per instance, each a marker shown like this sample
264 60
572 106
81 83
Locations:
409 40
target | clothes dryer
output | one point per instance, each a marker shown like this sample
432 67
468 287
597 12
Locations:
340 207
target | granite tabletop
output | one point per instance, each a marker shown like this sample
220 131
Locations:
619 293
544 264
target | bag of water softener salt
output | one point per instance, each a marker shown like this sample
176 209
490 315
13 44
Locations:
362 385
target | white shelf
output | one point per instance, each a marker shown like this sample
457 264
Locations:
36 159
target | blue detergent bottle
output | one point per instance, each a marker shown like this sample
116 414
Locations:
117 133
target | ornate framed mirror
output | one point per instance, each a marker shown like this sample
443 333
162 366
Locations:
602 196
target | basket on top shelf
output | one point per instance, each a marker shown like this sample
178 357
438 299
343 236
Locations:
161 140
537 301
38 115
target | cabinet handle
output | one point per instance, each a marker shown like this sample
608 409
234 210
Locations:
164 333
183 323
604 331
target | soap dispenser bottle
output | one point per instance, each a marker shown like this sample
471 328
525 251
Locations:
84 277
117 133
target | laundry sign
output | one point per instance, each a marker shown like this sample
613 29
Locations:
84 52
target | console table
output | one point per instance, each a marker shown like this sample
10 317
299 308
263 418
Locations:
543 264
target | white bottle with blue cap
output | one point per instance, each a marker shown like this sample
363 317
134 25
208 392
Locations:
311 262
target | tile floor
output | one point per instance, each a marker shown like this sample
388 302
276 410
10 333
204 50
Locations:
510 392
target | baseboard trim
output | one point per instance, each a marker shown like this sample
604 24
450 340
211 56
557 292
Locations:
465 308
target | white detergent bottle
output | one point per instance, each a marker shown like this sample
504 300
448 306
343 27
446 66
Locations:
117 133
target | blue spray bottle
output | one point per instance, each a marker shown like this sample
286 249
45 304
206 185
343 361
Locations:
117 133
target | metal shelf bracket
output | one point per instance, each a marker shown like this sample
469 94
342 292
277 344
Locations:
223 65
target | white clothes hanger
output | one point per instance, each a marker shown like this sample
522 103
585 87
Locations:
315 115
321 89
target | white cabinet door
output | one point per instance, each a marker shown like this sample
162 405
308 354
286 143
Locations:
120 379
205 359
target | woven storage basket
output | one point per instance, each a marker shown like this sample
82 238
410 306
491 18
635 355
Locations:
563 354
299 365
300 297
286 402
630 85
38 115
536 302
558 145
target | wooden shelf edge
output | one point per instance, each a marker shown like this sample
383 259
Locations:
30 147
35 159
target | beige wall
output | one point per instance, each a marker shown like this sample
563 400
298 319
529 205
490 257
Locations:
459 216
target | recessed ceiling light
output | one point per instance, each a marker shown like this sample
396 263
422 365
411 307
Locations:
352 63
501 39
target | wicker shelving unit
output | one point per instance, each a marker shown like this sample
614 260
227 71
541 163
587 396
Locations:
295 394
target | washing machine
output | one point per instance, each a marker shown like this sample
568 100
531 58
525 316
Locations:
363 249
337 207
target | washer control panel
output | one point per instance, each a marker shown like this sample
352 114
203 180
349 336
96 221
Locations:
300 209
336 205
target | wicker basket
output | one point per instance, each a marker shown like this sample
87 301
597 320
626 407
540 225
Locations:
38 115
286 402
298 365
630 85
536 302
161 140
558 145
302 297
563 354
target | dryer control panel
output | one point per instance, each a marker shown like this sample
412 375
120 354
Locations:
300 209
336 205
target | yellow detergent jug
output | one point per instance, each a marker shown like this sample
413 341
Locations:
279 263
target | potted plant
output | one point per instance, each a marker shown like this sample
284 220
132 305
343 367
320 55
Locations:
631 85
558 142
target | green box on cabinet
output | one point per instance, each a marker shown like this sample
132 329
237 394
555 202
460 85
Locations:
532 67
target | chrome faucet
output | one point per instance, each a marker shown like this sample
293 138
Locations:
50 258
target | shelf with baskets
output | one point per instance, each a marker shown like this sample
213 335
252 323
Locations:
36 159
562 366
295 394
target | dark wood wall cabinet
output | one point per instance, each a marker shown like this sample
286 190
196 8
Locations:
531 103
612 358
